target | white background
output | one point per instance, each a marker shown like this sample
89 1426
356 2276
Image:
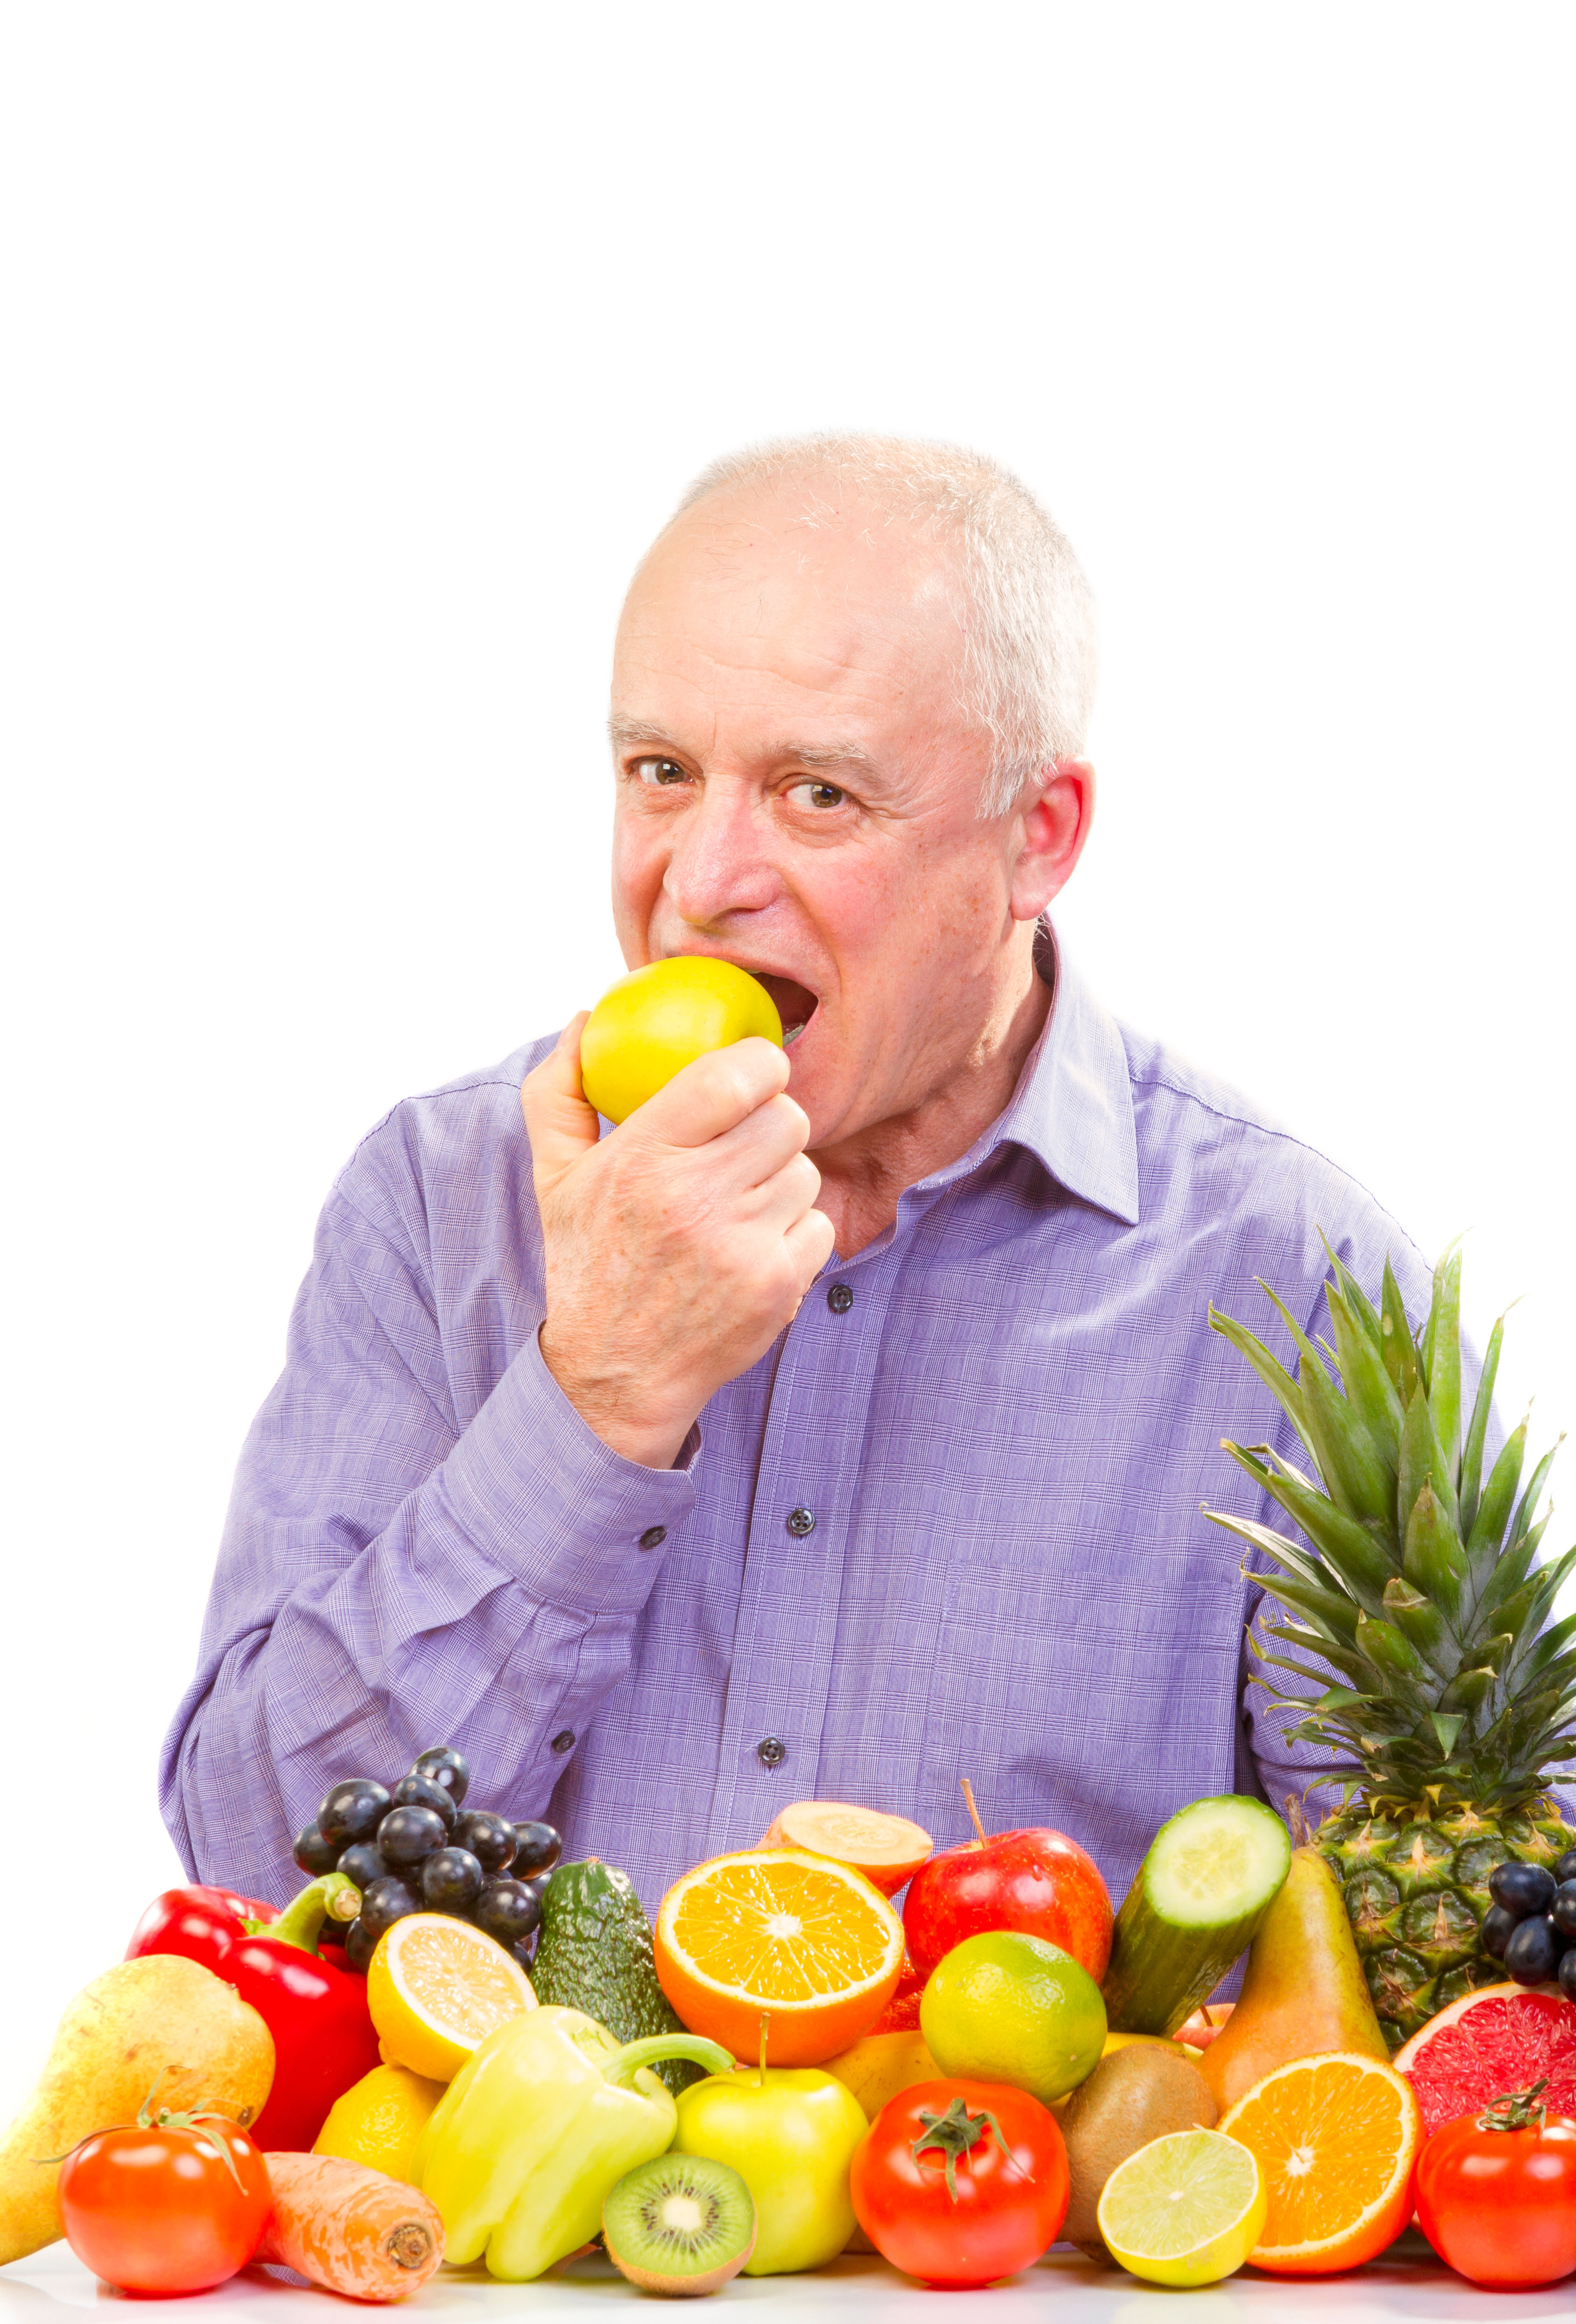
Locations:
353 354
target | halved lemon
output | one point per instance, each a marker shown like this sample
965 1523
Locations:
803 1943
1185 2209
436 1988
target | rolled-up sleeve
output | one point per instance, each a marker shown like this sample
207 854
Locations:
388 1579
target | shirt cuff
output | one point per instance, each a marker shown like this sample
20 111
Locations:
540 1494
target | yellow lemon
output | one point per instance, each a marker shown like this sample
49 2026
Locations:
651 1023
436 1988
379 2120
1185 2209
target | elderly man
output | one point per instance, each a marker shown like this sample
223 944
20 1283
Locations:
838 1425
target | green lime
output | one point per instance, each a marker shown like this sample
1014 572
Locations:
1007 2008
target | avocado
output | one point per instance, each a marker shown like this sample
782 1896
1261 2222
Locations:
594 1953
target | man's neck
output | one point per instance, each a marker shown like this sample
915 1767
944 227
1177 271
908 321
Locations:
863 1178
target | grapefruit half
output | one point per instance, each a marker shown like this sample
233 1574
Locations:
1499 2039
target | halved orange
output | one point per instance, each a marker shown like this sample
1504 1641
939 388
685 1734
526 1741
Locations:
804 1942
887 1848
436 1988
1337 2139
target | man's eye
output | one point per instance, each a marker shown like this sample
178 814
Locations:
817 795
660 771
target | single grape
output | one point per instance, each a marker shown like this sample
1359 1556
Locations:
488 1838
509 1910
446 1765
313 1853
352 1811
1562 1911
1566 1973
360 1944
1532 1951
451 1881
1497 1923
419 1792
1522 1889
537 1848
408 1836
384 1903
364 1863
1566 1867
332 1932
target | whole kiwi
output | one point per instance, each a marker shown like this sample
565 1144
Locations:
1144 2090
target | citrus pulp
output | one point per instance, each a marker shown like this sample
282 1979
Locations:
1185 2210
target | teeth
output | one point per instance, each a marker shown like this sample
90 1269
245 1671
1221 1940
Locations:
790 1034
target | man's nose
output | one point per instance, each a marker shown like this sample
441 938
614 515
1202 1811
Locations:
721 862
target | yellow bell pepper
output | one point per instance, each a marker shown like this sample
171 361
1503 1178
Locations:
536 2126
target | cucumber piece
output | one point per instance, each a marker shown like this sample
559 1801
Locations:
1211 1874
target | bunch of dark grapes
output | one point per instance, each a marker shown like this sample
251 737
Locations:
417 1848
1531 1925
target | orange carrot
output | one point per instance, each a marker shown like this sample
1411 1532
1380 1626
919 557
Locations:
353 2230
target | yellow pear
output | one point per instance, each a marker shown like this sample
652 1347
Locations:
160 2023
877 2068
1305 1991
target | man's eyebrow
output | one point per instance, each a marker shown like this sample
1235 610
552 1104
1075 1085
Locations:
626 733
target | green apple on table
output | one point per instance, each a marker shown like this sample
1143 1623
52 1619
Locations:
790 2133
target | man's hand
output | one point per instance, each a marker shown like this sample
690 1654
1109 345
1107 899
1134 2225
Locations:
678 1248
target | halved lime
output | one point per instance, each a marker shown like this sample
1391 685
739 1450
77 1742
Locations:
1185 2209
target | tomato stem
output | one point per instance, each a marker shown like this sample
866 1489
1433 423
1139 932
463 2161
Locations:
1517 2109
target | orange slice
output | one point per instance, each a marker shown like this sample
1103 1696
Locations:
1337 2139
887 1848
436 1988
798 1940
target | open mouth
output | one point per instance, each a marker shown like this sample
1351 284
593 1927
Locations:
795 1003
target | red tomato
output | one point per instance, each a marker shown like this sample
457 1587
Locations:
1496 2194
156 2206
960 2183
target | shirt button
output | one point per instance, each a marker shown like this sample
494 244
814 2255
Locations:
801 1521
564 1740
653 1537
840 1298
771 1751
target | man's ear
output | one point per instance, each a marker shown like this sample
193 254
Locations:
1050 829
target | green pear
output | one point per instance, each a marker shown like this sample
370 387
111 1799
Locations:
1305 1991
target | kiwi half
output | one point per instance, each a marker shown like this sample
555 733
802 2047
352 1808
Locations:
681 2225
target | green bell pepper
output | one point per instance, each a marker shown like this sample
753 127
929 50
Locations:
535 2129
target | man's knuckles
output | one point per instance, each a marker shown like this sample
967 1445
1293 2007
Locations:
713 1094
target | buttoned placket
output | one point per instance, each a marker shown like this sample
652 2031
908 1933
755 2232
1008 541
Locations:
806 1495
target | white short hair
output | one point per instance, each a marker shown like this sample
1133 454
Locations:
1028 669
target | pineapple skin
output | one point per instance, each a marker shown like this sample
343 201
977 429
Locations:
1416 1888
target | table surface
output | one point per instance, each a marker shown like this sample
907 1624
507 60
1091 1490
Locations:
32 2290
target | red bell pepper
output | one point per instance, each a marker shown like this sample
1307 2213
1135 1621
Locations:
316 2012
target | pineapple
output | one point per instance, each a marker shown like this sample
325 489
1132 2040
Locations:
1419 1595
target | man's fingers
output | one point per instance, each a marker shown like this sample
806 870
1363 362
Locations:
811 1243
713 1094
784 1198
559 1122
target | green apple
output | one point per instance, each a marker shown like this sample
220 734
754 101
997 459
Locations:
789 2132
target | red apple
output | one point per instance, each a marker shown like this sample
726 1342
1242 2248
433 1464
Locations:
1037 1880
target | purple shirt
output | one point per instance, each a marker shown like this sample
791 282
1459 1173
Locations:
949 1525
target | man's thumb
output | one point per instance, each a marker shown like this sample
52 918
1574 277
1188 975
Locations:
558 1121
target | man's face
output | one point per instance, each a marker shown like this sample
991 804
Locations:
796 794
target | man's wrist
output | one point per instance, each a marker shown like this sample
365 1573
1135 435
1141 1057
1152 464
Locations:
615 1410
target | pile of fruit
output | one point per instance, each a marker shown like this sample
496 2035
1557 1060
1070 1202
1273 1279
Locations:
451 2045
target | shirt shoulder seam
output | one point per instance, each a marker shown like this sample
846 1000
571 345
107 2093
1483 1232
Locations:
417 1097
1272 1130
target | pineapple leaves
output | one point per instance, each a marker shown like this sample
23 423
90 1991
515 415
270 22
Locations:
1417 1648
1478 1431
1270 1370
1442 1358
1434 1561
1400 1353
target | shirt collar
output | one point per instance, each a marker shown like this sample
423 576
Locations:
1073 1108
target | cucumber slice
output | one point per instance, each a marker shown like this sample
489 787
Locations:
1211 1874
